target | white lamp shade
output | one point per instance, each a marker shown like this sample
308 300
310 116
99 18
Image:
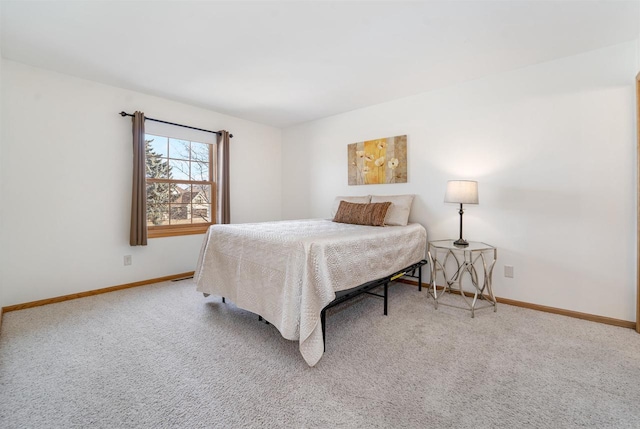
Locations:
461 192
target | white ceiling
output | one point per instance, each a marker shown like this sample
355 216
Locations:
282 63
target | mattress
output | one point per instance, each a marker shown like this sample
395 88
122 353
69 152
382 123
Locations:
288 271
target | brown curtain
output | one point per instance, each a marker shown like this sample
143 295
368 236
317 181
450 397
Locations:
138 235
223 213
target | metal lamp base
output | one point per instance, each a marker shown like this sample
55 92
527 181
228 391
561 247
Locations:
461 243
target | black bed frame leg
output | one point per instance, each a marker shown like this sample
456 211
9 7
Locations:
223 299
323 319
420 278
386 288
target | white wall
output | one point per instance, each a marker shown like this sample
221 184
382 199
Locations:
553 149
66 184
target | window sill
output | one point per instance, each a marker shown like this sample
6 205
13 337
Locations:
172 231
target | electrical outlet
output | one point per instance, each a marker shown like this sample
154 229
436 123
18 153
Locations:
508 271
127 259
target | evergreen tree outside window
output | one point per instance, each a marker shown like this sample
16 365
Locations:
180 187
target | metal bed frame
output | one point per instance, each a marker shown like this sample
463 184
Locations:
345 295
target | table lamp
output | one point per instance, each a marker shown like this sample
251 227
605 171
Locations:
461 192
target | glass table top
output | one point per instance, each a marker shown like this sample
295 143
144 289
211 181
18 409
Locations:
448 244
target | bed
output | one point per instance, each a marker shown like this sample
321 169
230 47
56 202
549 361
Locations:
289 271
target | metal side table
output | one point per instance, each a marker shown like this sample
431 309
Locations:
444 255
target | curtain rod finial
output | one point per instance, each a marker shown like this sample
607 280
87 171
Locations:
123 113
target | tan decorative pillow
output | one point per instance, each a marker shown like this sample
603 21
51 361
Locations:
362 214
359 199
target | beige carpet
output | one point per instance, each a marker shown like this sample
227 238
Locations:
162 356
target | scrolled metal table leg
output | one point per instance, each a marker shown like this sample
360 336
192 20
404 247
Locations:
433 272
477 291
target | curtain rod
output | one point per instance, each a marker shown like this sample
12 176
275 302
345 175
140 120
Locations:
123 114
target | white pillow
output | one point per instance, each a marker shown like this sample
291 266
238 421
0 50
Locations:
366 199
398 213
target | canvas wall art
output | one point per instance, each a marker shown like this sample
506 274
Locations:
378 161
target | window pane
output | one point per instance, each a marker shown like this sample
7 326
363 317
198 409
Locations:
158 193
178 191
200 171
156 146
202 194
201 204
182 194
178 149
200 151
156 167
201 213
178 170
157 214
180 214
200 161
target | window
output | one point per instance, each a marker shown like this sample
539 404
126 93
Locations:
180 188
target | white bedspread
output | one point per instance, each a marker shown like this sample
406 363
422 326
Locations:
288 271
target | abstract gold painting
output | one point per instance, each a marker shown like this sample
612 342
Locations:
378 161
